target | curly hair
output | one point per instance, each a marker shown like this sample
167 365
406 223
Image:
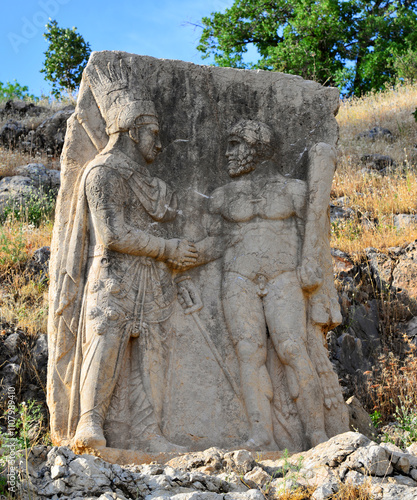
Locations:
258 135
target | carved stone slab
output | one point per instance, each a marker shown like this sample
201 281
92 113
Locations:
191 279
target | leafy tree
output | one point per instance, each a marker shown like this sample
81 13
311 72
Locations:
349 43
65 58
15 91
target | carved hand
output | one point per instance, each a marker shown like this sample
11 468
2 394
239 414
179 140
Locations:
180 254
188 296
310 275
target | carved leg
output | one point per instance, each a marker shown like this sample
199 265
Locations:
286 319
328 378
246 324
102 359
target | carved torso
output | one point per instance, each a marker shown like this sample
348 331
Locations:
125 204
259 213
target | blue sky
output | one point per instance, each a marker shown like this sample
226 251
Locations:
158 28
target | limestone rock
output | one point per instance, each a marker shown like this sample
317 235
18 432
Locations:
38 265
46 179
50 134
241 461
405 273
342 263
16 191
11 133
376 133
257 478
21 108
372 459
377 161
404 220
359 419
346 458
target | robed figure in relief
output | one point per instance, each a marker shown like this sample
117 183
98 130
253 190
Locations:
115 286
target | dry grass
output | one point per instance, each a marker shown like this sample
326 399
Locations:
375 198
23 300
393 384
10 160
297 494
391 109
346 491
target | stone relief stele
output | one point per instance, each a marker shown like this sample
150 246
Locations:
191 276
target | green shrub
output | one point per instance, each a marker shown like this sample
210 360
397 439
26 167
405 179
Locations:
65 58
15 91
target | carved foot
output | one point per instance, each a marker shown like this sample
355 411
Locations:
331 389
89 433
260 440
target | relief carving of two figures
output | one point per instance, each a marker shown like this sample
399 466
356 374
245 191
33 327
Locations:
116 287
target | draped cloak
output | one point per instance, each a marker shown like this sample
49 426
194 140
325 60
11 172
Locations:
67 315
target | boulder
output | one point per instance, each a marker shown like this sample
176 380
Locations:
44 178
376 133
404 276
16 191
22 109
50 134
377 161
38 265
402 221
11 133
359 419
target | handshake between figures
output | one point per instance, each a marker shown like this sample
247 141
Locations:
181 254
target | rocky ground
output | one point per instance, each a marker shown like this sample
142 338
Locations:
340 466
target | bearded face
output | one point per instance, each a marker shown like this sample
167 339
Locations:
241 157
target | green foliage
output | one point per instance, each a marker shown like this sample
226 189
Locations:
405 65
37 208
30 426
349 43
405 417
15 91
65 58
376 418
12 250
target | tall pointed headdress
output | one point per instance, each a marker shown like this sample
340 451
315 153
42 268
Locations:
121 100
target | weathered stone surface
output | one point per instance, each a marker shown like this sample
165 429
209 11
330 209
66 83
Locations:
50 134
340 211
359 419
404 220
146 356
11 133
46 179
404 276
21 108
38 265
376 133
377 161
324 470
342 263
372 459
381 267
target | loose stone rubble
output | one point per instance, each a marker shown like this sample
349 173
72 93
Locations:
214 474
